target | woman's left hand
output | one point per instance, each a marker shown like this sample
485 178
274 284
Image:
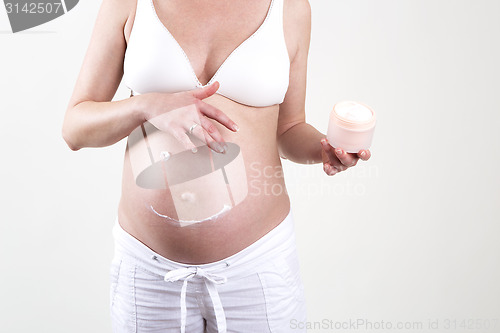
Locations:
336 159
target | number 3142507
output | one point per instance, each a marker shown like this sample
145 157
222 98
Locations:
33 8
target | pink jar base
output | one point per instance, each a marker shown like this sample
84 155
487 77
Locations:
350 140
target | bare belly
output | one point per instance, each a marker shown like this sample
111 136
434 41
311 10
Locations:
264 206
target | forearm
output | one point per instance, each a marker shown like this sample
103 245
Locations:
301 144
100 124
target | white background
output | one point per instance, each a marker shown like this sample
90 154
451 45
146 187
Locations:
411 235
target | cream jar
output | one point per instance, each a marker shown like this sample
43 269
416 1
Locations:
351 126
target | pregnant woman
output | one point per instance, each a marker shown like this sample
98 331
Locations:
222 78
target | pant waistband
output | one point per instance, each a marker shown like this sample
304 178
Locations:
278 241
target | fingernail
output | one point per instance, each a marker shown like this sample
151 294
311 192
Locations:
338 151
363 153
194 150
323 141
236 127
219 148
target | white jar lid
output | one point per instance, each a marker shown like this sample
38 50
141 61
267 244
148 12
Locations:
353 111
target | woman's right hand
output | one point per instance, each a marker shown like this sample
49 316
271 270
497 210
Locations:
177 113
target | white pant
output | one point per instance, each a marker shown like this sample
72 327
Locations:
257 290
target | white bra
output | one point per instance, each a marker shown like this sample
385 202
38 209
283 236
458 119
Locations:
256 73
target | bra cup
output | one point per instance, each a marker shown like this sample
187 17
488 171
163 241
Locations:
153 62
257 75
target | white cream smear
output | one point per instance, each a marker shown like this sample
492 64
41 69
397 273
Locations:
184 223
353 111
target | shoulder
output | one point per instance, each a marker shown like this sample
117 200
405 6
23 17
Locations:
117 11
298 11
297 24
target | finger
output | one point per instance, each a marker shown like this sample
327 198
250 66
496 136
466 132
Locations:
334 163
345 158
202 134
208 133
328 149
329 170
182 137
339 167
355 159
202 93
212 135
199 133
340 159
364 154
216 114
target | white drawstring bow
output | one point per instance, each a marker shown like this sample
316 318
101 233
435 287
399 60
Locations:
211 280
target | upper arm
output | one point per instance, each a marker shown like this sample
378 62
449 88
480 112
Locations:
102 67
297 17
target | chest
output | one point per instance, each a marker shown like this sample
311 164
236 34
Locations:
208 31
